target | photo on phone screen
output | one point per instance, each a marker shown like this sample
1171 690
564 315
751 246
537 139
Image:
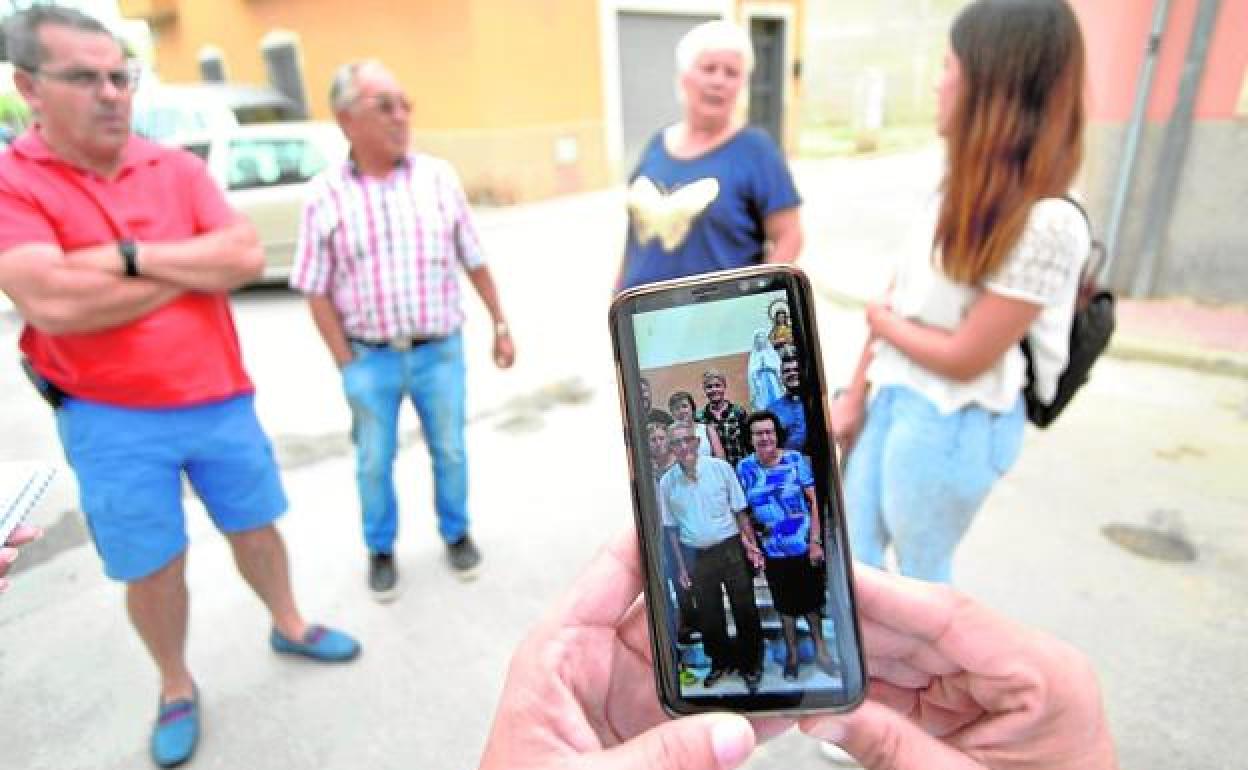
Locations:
737 495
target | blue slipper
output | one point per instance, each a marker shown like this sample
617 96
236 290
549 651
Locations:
176 731
319 643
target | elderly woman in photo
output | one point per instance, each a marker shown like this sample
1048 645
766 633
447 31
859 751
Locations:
709 193
779 487
683 410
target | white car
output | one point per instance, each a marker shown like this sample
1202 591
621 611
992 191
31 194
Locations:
168 112
264 170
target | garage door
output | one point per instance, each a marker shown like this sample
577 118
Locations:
648 76
767 81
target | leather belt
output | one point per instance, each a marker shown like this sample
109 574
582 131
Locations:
400 344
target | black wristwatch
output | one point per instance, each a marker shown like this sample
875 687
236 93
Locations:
129 256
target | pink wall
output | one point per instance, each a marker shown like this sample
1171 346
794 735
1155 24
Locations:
1115 32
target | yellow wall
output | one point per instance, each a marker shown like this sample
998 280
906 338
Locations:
496 85
490 82
428 45
537 60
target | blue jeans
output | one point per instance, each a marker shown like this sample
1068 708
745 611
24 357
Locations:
432 375
916 477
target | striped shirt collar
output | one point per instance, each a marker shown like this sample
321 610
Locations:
353 167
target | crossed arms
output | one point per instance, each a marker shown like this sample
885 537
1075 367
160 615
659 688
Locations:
86 289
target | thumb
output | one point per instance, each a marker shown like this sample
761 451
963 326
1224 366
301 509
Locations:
703 742
882 739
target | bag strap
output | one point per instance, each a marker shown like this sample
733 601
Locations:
1096 249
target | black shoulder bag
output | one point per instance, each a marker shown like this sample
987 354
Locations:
1090 332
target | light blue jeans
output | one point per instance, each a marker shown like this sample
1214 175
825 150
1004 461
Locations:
916 477
432 375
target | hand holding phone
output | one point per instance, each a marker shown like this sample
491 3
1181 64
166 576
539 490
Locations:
960 685
736 494
590 657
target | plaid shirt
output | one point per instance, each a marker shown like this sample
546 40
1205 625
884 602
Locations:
731 429
385 250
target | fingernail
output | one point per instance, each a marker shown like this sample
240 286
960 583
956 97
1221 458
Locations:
731 741
8 555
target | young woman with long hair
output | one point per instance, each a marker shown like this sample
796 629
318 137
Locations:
998 260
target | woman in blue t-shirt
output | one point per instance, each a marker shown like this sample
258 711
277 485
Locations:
779 488
709 193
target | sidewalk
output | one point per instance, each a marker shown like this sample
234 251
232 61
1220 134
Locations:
1173 332
1182 332
856 212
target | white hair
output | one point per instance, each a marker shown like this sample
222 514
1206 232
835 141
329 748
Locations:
344 87
717 35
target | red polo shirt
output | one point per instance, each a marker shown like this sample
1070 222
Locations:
185 352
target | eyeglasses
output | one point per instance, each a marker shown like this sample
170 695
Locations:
123 80
390 104
685 440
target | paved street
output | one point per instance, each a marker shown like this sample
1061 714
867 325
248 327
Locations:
1148 457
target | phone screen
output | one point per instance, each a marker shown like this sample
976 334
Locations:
737 495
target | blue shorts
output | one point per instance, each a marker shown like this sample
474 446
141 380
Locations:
129 463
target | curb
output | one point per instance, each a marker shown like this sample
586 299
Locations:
1125 347
1221 362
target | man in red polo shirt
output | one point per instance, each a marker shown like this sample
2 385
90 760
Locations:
118 254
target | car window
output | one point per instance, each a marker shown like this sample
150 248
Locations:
159 123
256 163
263 113
199 149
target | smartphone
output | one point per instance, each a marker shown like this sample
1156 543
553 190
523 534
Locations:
736 494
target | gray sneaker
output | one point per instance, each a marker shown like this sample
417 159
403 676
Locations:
383 577
464 557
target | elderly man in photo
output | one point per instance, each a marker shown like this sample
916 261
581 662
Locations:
701 498
662 459
118 255
381 239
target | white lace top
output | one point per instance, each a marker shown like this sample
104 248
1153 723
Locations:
1044 269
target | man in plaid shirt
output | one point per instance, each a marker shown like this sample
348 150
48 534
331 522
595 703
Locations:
379 246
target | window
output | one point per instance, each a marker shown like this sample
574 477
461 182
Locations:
263 113
256 163
198 149
160 123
